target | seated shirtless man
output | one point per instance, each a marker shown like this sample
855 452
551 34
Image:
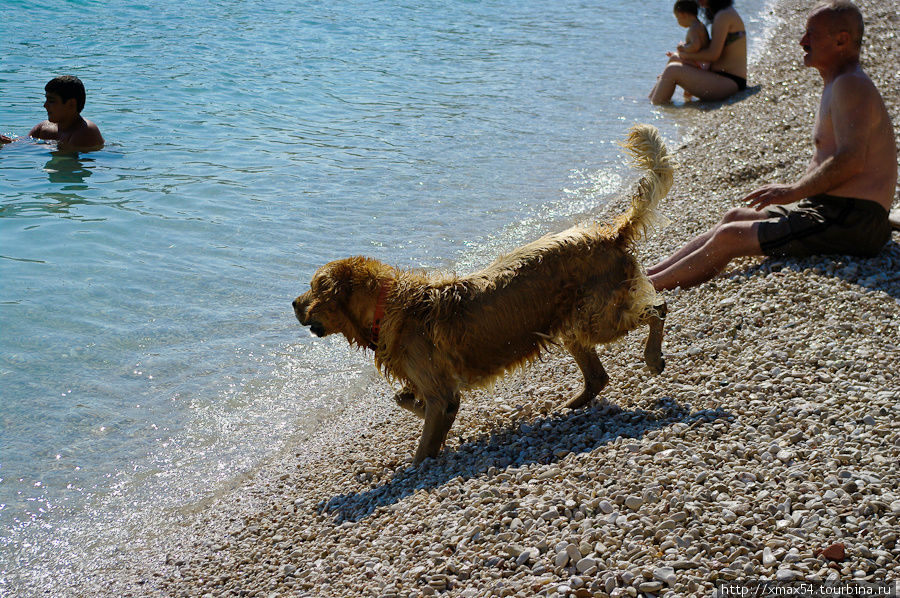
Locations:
841 204
65 98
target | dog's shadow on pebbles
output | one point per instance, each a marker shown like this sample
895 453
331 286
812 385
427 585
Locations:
543 441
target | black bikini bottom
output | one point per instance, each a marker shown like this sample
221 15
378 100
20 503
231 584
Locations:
741 82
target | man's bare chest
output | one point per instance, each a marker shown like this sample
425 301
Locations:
823 130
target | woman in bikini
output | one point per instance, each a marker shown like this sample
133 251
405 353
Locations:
726 53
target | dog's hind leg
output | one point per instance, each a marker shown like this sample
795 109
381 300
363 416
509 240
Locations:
440 413
595 377
406 398
653 349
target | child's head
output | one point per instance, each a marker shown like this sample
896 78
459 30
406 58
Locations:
686 12
67 87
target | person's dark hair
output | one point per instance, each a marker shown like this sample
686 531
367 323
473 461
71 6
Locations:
67 87
844 16
714 6
687 6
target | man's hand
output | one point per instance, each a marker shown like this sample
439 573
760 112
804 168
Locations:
772 194
5 139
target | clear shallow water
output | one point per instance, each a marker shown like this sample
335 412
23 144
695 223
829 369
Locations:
148 353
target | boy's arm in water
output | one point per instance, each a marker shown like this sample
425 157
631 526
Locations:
84 136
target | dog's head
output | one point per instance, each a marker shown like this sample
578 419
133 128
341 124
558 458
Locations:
341 298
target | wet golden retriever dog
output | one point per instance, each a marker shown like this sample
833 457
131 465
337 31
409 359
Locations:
441 334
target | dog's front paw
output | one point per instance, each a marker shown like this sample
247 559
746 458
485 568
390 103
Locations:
406 398
656 366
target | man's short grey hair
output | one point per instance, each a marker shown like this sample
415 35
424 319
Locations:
845 16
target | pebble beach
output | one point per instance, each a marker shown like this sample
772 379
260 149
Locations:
768 449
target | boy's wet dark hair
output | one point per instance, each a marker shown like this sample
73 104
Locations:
687 6
67 87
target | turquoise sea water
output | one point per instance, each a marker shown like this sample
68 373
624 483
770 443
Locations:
148 353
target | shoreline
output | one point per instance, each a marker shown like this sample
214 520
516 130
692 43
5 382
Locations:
773 428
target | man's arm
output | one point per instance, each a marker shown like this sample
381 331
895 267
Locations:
853 102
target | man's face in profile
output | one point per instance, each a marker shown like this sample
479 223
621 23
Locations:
819 41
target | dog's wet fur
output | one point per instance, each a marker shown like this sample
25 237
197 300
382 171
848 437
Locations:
441 334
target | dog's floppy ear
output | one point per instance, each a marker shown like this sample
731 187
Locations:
334 282
355 274
348 287
341 279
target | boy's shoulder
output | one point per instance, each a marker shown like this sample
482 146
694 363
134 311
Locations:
86 136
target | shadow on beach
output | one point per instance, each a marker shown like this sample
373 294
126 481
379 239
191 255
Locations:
879 273
701 106
546 440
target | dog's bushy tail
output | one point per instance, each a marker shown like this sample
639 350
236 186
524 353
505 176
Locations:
650 155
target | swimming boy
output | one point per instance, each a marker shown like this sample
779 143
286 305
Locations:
840 205
65 98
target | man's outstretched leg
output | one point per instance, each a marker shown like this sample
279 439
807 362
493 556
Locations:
733 215
708 254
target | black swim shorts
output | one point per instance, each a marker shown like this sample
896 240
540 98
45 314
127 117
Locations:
825 224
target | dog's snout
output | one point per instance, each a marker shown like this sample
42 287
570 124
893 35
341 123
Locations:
299 306
303 310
